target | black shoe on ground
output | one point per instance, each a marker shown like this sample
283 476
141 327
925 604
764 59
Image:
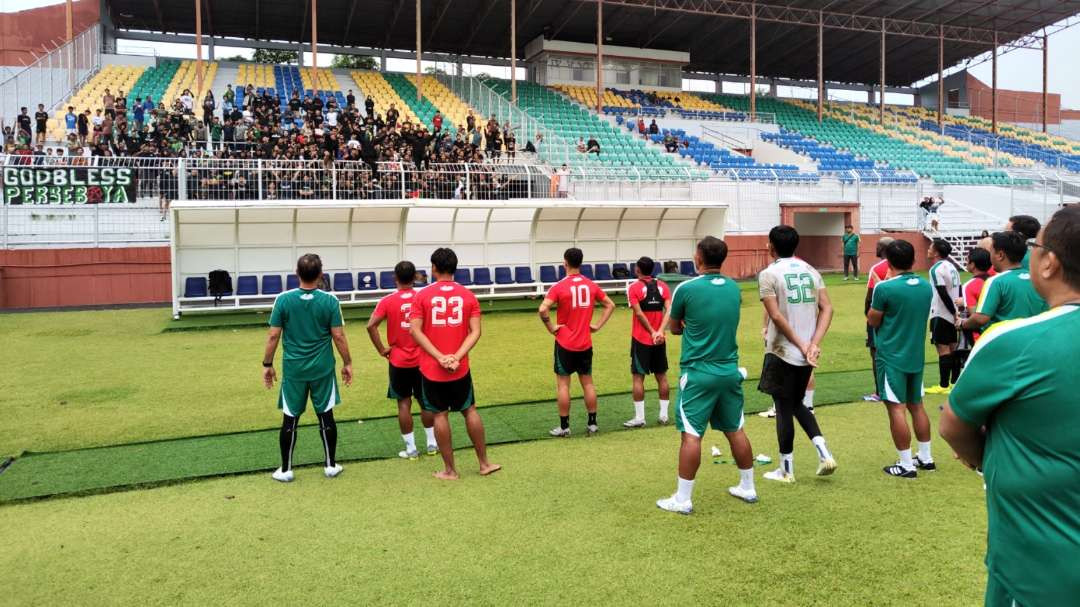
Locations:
898 470
927 466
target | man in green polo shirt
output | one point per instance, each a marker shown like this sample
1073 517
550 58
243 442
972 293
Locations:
898 313
1028 227
1020 383
851 250
705 311
308 320
1008 294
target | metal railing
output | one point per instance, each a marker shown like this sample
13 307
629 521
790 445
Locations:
53 77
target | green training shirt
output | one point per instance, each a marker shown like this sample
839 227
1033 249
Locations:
905 300
709 305
851 243
306 317
1021 382
1008 296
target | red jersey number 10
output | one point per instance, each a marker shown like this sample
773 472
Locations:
579 296
446 311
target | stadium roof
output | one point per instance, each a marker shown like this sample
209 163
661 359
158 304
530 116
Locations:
786 33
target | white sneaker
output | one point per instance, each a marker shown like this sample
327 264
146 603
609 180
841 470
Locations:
634 423
770 412
592 428
673 505
663 421
750 497
406 454
433 450
826 467
780 476
332 471
561 432
283 477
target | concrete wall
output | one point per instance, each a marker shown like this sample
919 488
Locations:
38 28
46 278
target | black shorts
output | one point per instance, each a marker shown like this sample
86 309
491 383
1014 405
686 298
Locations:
870 337
783 380
442 396
404 382
647 359
942 332
569 362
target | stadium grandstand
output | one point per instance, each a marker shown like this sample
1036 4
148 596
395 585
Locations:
194 165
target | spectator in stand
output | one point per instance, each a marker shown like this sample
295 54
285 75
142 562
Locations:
138 112
470 122
109 103
641 126
208 107
229 96
436 122
187 101
593 146
350 100
369 106
392 116
510 142
654 129
41 118
562 181
670 143
71 122
84 127
581 147
22 123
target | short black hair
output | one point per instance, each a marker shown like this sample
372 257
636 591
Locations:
941 247
713 251
901 254
671 267
444 260
1060 236
405 272
1027 225
980 258
646 265
1012 244
309 267
573 257
849 226
785 239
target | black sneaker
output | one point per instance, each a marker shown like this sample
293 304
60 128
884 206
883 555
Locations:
898 470
929 466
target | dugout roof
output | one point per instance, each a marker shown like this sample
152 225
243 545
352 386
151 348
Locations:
715 43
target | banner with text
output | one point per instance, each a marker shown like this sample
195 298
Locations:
68 185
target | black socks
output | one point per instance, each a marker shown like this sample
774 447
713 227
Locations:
592 418
328 431
564 421
287 440
945 369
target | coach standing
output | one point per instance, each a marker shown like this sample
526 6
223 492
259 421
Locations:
309 320
1021 383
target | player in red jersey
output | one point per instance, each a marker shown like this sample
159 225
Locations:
979 265
445 322
878 272
575 297
404 357
649 298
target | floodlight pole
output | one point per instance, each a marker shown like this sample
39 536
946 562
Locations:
513 51
941 78
314 43
753 61
993 87
600 57
419 53
881 97
820 66
1045 60
198 45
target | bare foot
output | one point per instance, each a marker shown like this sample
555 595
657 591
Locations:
489 469
445 475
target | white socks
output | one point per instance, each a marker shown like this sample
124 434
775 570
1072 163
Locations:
430 437
685 490
639 410
787 463
410 441
905 459
924 452
746 480
808 399
664 408
822 450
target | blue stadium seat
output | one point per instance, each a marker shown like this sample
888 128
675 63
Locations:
686 268
462 277
271 284
195 286
292 281
503 276
586 270
621 266
603 271
523 275
387 280
547 275
562 272
482 276
365 281
656 269
343 282
247 285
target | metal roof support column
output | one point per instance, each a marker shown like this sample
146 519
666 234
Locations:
198 45
881 95
419 54
513 51
994 87
941 78
600 57
314 42
820 65
753 61
1045 60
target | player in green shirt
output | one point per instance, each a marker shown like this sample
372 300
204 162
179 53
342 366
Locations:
898 313
1020 383
1008 294
308 321
705 311
1028 227
851 250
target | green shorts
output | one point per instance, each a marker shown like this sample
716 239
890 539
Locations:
706 398
293 397
898 386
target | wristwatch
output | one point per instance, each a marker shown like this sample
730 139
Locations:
268 365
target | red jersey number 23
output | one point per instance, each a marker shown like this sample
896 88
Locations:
446 311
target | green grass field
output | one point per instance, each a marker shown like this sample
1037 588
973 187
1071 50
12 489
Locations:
565 521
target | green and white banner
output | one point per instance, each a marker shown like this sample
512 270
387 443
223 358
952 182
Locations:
68 185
